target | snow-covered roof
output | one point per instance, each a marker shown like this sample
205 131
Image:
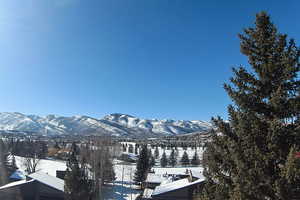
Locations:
174 186
47 166
197 174
16 183
46 179
41 177
156 178
170 186
168 180
18 175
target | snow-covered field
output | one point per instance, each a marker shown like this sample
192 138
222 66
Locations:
46 166
123 188
117 191
129 191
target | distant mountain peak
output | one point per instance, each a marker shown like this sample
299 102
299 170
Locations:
115 124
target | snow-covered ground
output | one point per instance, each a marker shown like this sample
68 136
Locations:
117 191
177 170
46 166
129 191
123 188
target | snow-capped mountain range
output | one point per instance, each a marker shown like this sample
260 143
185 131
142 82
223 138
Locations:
113 124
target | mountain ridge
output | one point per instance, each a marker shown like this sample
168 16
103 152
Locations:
116 124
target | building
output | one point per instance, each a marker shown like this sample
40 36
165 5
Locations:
182 189
17 176
36 186
61 174
153 180
128 157
173 184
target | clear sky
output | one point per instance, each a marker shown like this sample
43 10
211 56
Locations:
148 58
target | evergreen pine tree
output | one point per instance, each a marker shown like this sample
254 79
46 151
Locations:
249 159
56 146
142 165
3 160
156 152
124 148
14 163
149 153
195 160
164 160
10 163
151 162
185 159
136 148
173 158
176 153
77 184
7 162
130 148
290 176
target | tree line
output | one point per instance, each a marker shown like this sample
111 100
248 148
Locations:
164 160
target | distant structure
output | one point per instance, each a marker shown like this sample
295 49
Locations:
176 186
17 176
37 186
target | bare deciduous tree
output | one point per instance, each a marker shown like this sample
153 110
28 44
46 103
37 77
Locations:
99 153
30 163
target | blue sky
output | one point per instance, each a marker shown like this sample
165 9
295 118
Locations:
149 58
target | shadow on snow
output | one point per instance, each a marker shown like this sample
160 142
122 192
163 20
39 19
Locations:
119 192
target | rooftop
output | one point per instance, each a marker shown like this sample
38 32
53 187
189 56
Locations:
156 178
46 179
16 183
182 183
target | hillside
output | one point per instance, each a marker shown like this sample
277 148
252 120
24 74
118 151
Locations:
114 124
